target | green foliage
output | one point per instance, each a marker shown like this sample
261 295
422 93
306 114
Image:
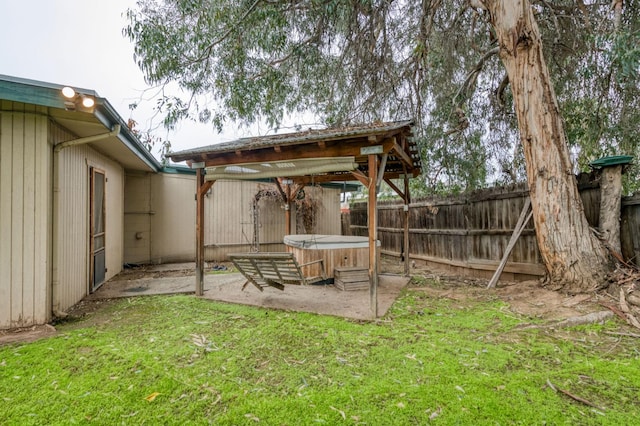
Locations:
350 61
184 360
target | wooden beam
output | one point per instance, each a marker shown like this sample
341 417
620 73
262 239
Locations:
287 211
206 186
344 177
373 235
277 148
395 188
294 152
383 165
406 248
364 179
525 216
280 190
199 232
402 154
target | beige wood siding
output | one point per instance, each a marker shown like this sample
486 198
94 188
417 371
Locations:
137 217
173 221
71 246
160 218
327 212
25 227
229 221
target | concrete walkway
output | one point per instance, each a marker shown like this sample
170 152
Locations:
326 300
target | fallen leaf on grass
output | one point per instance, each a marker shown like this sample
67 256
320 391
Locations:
435 414
152 396
344 417
252 417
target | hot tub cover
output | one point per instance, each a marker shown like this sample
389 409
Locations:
326 242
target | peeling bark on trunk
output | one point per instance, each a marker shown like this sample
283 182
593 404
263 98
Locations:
575 259
610 197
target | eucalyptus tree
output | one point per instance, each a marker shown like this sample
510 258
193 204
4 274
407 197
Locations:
459 68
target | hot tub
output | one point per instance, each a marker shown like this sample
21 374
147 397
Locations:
336 250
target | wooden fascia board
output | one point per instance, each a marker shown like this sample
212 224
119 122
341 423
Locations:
344 177
292 152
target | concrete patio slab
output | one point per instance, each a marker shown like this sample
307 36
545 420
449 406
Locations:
320 299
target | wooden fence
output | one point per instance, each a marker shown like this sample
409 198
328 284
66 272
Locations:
467 234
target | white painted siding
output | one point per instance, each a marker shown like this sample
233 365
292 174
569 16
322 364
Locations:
71 235
25 227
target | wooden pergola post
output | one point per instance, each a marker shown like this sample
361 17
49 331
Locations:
407 201
201 191
373 234
287 211
369 154
199 232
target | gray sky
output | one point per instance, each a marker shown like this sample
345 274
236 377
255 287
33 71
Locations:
80 43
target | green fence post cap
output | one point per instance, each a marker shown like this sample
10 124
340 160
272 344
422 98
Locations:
615 160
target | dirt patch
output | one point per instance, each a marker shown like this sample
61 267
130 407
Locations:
527 298
27 334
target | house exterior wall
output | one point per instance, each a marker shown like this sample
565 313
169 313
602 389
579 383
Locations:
328 217
160 218
25 225
230 219
71 259
173 221
137 217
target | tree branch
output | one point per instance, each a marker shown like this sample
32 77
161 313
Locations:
225 35
473 75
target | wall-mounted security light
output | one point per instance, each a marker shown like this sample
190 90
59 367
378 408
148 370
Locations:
87 102
68 92
74 100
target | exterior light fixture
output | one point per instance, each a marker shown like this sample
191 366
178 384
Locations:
68 92
87 102
74 100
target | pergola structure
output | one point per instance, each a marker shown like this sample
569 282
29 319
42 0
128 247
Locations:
369 153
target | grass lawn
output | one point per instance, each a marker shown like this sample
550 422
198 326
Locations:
183 360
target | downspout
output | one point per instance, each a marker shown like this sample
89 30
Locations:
55 281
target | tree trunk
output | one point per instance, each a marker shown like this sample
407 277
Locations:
575 259
610 201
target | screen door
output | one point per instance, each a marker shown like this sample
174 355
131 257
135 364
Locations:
97 237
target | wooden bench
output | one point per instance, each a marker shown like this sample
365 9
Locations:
273 269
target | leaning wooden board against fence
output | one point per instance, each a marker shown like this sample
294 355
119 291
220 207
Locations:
470 232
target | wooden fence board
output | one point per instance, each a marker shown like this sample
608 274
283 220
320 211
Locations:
474 229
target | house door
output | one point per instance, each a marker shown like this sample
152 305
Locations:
97 228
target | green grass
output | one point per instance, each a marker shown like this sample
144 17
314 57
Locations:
429 361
